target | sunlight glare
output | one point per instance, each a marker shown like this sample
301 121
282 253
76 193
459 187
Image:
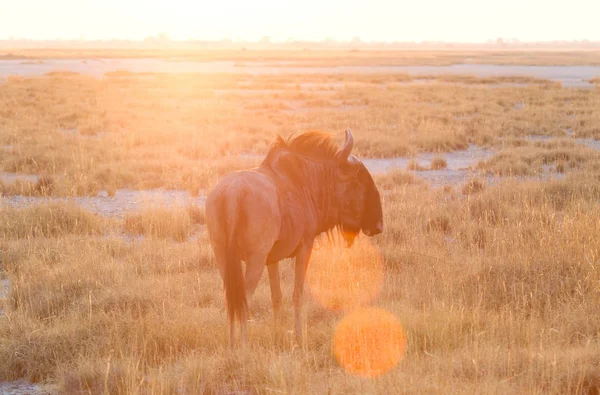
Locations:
369 342
343 278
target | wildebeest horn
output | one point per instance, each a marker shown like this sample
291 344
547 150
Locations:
347 148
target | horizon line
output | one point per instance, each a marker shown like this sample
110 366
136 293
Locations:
164 41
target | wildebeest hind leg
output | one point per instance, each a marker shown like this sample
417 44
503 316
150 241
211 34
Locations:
254 269
275 284
220 251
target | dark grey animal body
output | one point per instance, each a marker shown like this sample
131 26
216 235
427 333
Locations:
305 186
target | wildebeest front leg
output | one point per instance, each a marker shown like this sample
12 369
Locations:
302 259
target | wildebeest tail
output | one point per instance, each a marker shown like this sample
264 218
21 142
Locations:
235 289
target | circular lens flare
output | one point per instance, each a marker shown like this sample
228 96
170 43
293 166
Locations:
341 278
369 342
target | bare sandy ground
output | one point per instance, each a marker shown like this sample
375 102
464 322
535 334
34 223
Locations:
21 387
573 76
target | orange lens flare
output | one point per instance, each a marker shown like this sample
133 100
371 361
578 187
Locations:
369 342
341 278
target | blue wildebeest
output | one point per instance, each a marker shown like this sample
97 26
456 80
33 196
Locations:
305 186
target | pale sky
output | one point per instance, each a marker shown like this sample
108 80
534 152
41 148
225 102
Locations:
371 20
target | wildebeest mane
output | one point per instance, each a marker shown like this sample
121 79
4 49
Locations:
303 157
306 162
313 144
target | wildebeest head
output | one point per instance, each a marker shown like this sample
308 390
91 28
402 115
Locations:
360 200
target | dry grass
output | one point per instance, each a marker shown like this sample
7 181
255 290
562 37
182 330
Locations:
183 131
474 185
496 288
496 293
197 215
397 178
414 165
438 163
161 222
498 80
44 186
52 220
528 160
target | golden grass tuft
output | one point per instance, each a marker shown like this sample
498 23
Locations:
414 165
197 214
44 185
49 220
440 223
395 178
474 185
531 160
438 163
162 222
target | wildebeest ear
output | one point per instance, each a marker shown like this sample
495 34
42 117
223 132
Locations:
347 147
353 160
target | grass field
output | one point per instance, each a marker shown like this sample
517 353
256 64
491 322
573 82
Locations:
495 285
160 130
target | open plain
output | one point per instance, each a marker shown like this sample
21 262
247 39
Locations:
489 261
